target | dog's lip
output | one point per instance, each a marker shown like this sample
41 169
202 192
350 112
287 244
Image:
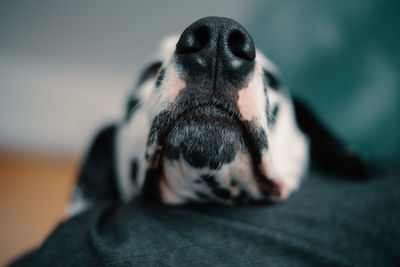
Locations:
227 115
220 111
245 128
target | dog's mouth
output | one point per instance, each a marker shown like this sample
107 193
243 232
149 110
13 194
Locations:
208 111
209 136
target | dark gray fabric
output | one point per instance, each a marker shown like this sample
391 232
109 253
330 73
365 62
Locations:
330 221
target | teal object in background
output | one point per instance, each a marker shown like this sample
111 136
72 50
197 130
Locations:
342 58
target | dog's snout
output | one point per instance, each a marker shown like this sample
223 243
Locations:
218 45
212 32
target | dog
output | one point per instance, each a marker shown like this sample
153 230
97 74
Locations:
209 121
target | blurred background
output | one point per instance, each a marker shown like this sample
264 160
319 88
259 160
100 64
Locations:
66 66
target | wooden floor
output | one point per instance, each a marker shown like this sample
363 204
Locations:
34 191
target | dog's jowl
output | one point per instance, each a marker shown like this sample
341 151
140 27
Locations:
210 120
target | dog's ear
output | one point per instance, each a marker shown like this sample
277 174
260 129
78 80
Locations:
328 152
97 177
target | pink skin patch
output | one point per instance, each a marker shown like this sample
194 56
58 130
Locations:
174 86
251 101
246 104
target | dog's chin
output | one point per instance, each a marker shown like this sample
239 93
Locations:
204 141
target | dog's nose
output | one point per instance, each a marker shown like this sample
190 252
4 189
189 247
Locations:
218 45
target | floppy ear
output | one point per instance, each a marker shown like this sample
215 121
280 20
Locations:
327 152
97 177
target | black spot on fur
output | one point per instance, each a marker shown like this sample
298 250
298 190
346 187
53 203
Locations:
275 110
222 193
233 182
210 180
160 78
132 104
151 187
255 142
272 80
149 72
241 198
270 191
159 128
198 181
134 169
272 115
201 195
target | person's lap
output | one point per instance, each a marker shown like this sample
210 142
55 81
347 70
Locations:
329 221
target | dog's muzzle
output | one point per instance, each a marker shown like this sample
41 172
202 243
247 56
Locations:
215 58
204 128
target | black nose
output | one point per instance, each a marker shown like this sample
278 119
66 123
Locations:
220 46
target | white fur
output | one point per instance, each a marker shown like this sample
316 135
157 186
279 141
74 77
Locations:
131 145
288 145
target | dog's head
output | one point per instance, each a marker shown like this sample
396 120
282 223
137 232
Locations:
207 117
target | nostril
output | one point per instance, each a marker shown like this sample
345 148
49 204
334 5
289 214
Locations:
193 40
241 45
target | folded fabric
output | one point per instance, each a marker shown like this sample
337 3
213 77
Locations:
330 221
